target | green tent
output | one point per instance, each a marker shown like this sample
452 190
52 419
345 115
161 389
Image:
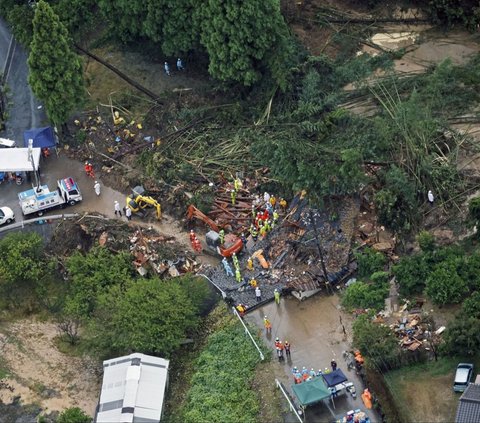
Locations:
311 391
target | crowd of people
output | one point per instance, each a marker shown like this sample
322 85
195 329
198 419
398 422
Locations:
304 375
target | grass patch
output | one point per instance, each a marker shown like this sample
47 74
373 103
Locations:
67 348
424 392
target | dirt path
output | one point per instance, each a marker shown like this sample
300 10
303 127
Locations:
41 374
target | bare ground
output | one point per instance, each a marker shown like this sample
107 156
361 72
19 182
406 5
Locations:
40 374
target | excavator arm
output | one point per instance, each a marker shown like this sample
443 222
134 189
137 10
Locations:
193 212
141 202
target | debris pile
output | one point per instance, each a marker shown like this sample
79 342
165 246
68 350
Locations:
308 250
147 250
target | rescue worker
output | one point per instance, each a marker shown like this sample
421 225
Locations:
244 239
333 363
97 188
275 216
254 232
192 235
253 283
276 294
45 152
277 342
254 212
167 69
221 236
128 213
304 371
226 266
266 197
180 66
89 169
258 294
297 378
237 184
233 195
238 275
294 369
283 204
312 373
273 201
267 324
241 309
117 208
250 264
287 349
431 198
263 231
197 245
280 353
235 261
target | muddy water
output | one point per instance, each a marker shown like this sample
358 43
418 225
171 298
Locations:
55 168
314 329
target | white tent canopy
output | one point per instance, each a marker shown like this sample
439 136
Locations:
17 160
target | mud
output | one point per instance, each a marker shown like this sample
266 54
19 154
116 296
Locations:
314 328
40 374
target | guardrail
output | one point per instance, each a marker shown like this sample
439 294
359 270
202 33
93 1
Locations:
23 223
287 397
247 331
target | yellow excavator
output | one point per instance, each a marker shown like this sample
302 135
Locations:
138 201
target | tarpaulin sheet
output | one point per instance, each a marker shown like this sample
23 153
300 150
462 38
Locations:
17 160
334 378
42 137
311 391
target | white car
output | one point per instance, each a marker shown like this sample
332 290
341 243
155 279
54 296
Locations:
6 215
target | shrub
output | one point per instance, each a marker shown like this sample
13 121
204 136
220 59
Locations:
369 261
462 336
411 273
221 386
445 286
365 295
426 241
376 342
73 415
471 306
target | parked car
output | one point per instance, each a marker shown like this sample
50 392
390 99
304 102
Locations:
6 215
463 377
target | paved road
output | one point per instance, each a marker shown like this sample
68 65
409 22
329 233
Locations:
22 106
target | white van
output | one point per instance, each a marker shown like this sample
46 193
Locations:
6 143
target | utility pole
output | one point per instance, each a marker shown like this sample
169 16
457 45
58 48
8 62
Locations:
320 252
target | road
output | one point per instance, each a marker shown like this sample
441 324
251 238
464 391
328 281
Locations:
22 106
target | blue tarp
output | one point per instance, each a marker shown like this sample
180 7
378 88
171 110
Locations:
42 137
334 378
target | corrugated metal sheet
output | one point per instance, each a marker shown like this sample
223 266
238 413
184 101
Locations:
133 389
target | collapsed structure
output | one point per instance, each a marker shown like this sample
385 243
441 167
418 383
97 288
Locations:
307 251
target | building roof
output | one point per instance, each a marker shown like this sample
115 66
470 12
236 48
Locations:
133 389
468 410
18 160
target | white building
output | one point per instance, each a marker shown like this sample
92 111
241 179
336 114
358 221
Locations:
133 389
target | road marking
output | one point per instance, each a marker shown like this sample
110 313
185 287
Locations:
8 61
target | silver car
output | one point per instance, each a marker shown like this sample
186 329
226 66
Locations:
463 376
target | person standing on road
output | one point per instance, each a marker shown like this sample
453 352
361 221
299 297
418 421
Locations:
276 294
128 213
167 69
117 208
287 349
258 294
267 324
96 187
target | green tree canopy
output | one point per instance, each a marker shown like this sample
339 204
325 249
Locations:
242 38
92 274
55 70
376 342
445 286
22 264
147 315
462 336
